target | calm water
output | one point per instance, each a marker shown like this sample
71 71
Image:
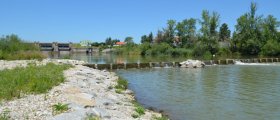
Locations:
229 92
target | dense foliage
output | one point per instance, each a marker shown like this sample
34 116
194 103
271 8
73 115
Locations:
254 35
13 48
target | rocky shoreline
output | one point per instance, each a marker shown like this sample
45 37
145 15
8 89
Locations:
87 92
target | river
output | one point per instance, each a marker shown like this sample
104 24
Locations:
230 92
222 92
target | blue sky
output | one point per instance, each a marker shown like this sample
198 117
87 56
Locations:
95 20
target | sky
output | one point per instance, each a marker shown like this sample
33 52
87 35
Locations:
96 20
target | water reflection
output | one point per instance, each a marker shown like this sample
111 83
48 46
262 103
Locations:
217 92
97 58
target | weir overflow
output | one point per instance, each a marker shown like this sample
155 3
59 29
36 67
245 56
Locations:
139 65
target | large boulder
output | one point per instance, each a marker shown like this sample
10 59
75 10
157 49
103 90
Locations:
192 64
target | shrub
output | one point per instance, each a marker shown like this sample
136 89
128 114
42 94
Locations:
224 52
122 84
12 48
207 55
271 48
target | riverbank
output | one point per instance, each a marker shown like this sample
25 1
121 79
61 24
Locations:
88 93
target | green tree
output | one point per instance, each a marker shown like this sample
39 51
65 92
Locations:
271 48
160 37
214 23
128 40
108 41
186 31
224 33
248 32
209 25
147 39
205 24
270 26
144 39
169 31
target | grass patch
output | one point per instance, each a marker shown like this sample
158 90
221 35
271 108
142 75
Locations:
30 80
25 55
122 85
139 109
60 108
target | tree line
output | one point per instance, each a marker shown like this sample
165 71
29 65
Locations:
253 35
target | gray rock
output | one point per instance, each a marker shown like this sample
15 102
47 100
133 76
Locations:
76 115
101 113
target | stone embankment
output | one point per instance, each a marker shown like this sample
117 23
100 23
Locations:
88 92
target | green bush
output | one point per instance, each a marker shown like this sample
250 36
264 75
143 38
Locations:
144 48
271 48
207 55
224 52
122 84
13 48
32 79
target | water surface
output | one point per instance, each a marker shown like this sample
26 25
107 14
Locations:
229 92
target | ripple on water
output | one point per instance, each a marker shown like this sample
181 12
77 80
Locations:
217 92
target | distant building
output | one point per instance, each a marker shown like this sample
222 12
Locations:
85 43
119 43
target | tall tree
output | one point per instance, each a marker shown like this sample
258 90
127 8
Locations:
160 37
144 39
205 23
248 32
272 45
224 33
128 40
214 23
186 31
169 31
150 37
147 39
108 41
209 25
270 26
